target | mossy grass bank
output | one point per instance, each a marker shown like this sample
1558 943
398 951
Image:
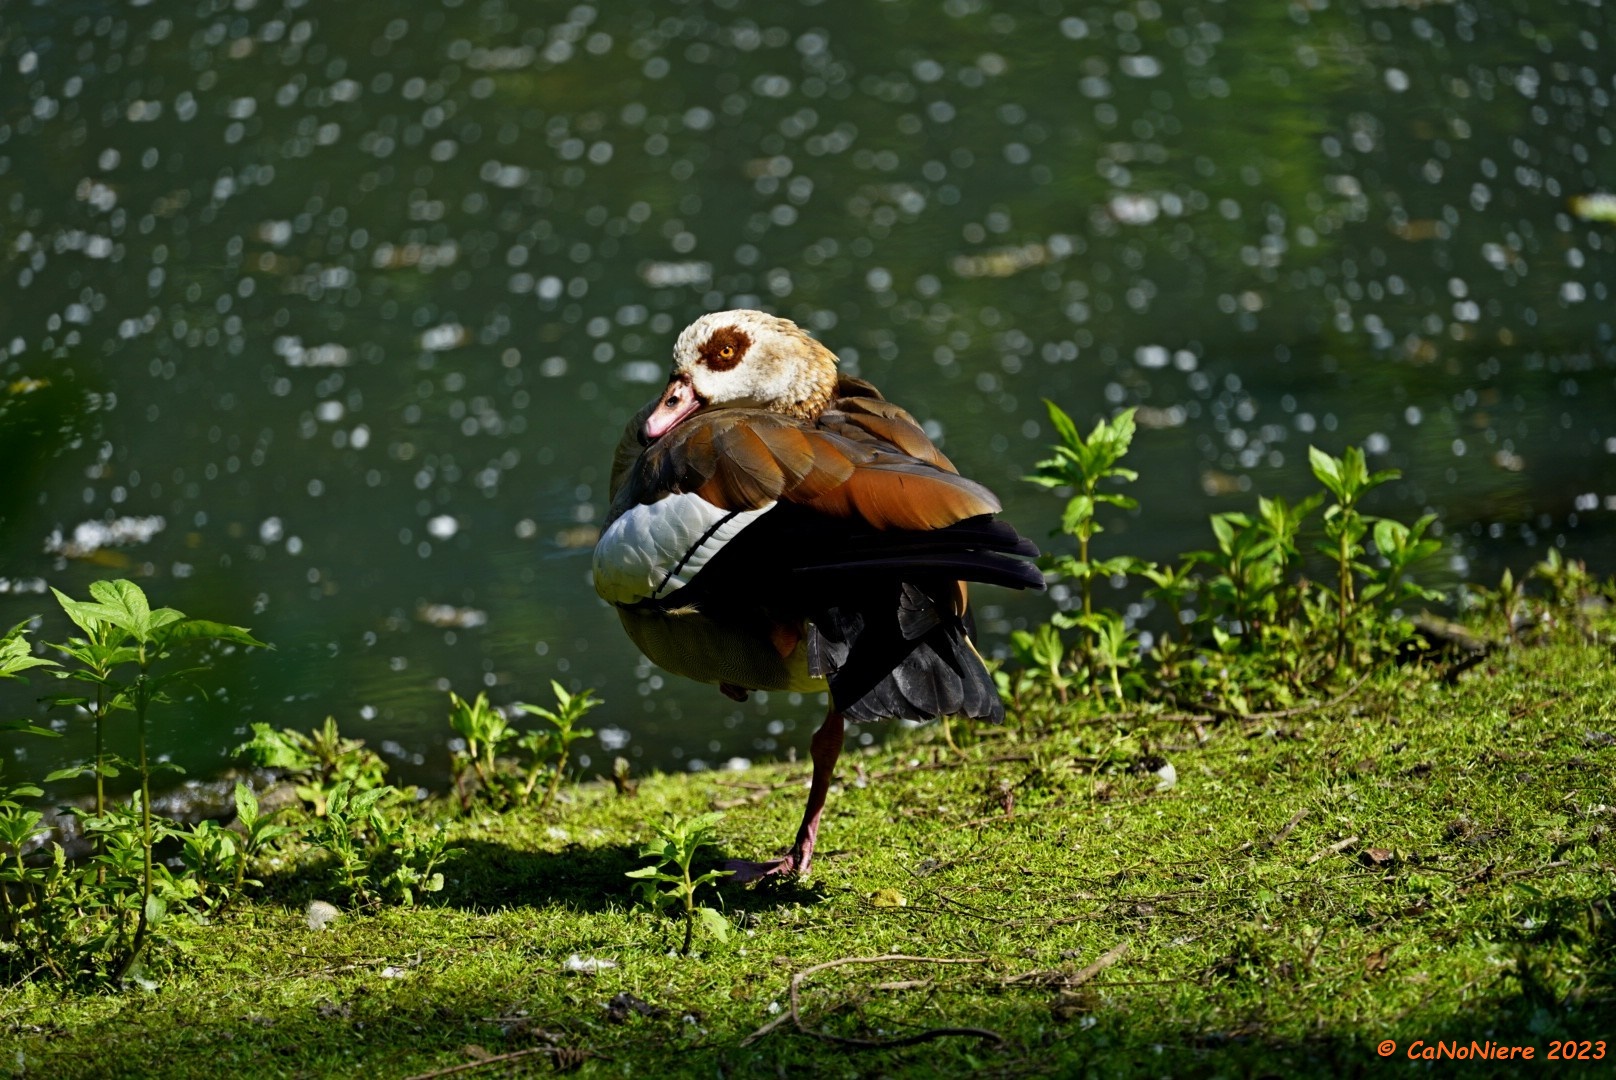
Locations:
1419 861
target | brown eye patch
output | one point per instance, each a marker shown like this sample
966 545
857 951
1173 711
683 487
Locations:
724 348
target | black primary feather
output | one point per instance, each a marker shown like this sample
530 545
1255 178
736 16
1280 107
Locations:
880 605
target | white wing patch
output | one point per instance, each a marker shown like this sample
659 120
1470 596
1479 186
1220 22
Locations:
658 548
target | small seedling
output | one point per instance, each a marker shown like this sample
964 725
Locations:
1079 466
345 832
1348 479
551 749
378 855
676 846
1041 651
546 750
485 731
258 830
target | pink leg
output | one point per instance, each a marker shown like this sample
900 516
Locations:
826 747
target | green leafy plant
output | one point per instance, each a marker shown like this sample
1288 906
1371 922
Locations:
1042 652
19 825
15 654
1251 627
545 750
1348 479
315 761
258 831
124 658
19 883
1503 607
217 858
1570 584
376 853
549 749
1115 647
210 853
678 841
485 731
15 658
127 887
1079 466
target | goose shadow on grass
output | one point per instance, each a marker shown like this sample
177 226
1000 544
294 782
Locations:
487 876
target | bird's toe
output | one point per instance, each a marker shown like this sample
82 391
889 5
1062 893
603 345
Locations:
747 873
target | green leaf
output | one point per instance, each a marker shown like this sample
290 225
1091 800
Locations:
73 772
1390 536
79 612
206 629
1327 469
124 605
156 909
711 875
246 805
715 922
273 749
16 655
28 728
1065 430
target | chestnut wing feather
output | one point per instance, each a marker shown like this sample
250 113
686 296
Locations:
892 491
864 459
886 423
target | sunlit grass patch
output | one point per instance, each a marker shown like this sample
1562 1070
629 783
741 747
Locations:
1423 861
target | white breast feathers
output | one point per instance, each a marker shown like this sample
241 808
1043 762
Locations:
657 548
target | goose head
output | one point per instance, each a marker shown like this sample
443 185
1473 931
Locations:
747 360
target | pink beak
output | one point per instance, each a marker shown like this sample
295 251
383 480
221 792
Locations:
678 401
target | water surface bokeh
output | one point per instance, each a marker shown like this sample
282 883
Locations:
324 318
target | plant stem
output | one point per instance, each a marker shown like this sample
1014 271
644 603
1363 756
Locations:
555 784
142 924
690 908
100 775
1345 597
100 756
1088 571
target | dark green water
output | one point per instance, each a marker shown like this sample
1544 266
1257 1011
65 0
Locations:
333 312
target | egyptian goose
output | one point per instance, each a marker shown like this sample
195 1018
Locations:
777 526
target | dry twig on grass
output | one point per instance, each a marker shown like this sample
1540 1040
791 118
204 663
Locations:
1334 849
1059 980
563 1057
793 1013
1296 819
